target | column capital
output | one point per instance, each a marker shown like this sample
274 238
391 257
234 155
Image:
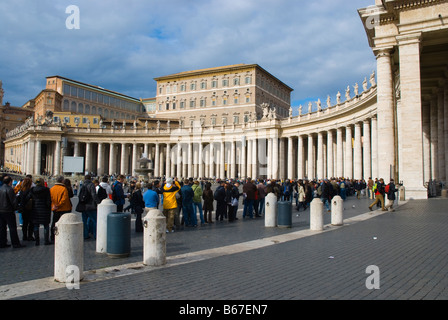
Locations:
383 52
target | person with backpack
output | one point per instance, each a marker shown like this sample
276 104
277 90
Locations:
118 196
41 211
106 186
100 191
390 192
8 205
287 190
221 204
60 202
25 208
137 205
249 189
378 189
87 205
207 196
197 200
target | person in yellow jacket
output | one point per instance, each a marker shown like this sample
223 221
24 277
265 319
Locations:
169 191
60 202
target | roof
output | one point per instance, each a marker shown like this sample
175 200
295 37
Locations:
229 68
95 87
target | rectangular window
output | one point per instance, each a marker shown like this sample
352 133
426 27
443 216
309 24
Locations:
236 119
225 83
235 100
248 80
182 105
213 102
224 101
214 84
203 85
202 103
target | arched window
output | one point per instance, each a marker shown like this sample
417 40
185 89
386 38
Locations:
87 110
66 105
73 107
80 108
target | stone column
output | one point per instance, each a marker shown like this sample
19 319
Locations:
134 158
249 158
222 161
339 153
426 122
367 153
190 160
311 174
434 140
100 164
411 143
290 174
88 167
38 157
233 160
243 158
31 157
212 160
357 165
76 149
167 162
385 112
57 158
275 155
123 159
269 159
112 157
320 155
254 159
157 172
348 153
374 128
330 157
445 111
300 167
200 161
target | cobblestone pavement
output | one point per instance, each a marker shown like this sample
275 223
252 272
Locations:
246 261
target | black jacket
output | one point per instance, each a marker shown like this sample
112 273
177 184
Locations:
92 200
8 200
41 213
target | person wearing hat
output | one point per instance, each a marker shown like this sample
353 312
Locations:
169 191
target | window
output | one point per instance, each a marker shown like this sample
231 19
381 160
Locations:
225 83
224 101
203 85
192 104
167 106
87 110
66 105
247 99
235 100
248 80
236 119
236 81
213 121
214 102
182 88
80 108
193 86
224 121
202 103
182 104
84 120
95 121
168 89
67 119
215 83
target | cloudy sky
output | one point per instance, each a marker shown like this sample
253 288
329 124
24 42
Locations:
316 47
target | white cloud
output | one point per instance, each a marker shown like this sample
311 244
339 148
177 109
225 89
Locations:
316 47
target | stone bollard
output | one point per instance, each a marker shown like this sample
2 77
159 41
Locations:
154 238
68 247
270 213
401 192
444 193
317 215
337 211
104 208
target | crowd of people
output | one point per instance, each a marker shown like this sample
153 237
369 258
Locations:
184 203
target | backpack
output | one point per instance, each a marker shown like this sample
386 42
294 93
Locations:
220 195
386 188
84 195
102 194
114 193
286 190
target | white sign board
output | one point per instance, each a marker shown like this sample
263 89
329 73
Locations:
73 164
